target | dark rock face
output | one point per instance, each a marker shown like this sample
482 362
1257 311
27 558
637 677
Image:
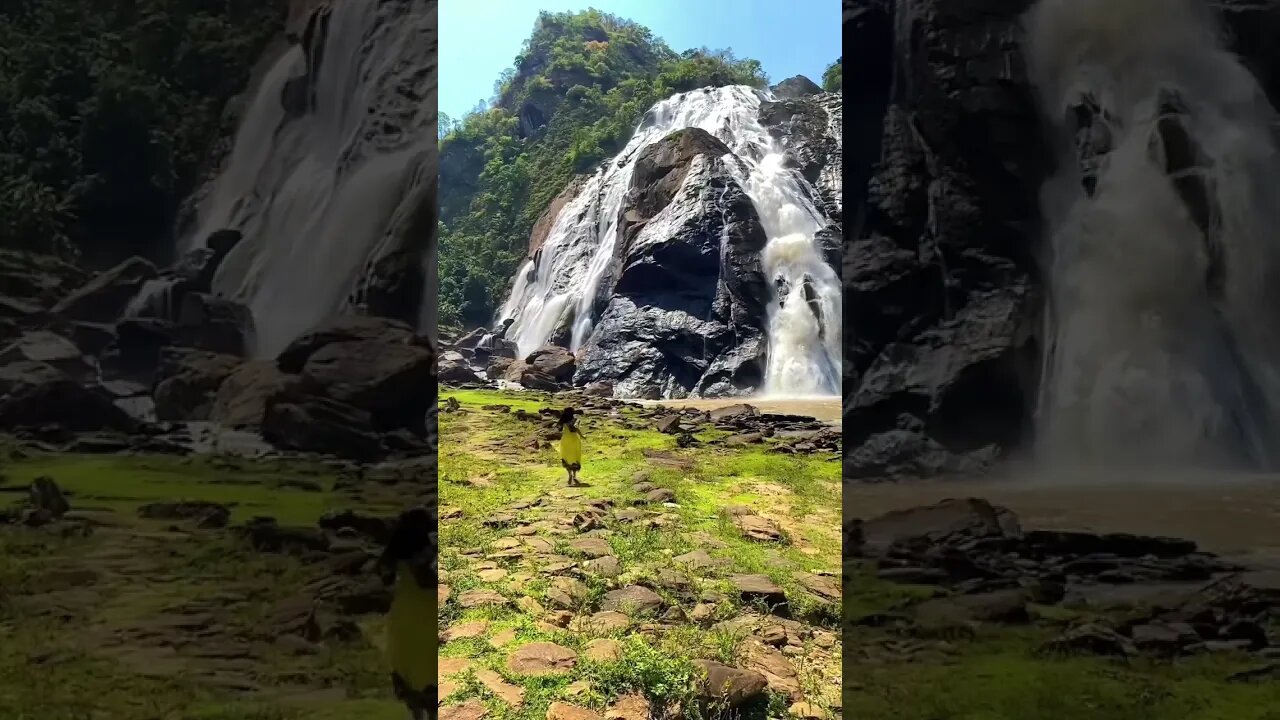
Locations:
348 328
51 349
242 398
944 294
320 425
341 387
188 382
104 298
135 354
64 403
794 87
808 128
686 306
941 287
215 324
392 381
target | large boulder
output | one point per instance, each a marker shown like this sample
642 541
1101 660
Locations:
215 324
64 403
188 382
347 328
105 297
454 368
40 279
661 169
939 272
395 382
322 425
242 398
555 362
135 354
26 372
684 308
48 348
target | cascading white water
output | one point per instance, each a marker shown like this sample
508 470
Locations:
1164 336
562 280
311 194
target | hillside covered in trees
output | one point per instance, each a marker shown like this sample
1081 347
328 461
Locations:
109 110
571 101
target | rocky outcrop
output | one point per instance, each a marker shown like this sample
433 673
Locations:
50 349
242 398
41 280
1154 596
105 297
215 325
943 289
794 87
547 220
340 387
940 278
321 425
685 308
188 382
349 328
62 403
808 127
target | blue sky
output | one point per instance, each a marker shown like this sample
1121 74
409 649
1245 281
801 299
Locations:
480 38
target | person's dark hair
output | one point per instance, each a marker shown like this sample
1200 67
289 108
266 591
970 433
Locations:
567 418
410 540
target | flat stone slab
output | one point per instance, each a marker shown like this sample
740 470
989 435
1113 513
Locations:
469 710
606 566
632 598
591 547
758 587
541 658
478 598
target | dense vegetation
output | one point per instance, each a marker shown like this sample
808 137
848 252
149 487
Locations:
108 111
833 76
572 100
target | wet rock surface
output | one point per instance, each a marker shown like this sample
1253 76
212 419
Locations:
1135 595
940 272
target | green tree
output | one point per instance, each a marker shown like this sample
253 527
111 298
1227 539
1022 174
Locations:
108 111
833 78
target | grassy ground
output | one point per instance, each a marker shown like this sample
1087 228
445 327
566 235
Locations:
492 463
144 621
995 672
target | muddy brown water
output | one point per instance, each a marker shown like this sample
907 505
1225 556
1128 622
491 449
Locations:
1234 516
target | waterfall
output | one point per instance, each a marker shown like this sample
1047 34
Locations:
1164 266
560 283
313 182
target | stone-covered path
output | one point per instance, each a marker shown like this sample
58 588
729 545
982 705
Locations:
653 588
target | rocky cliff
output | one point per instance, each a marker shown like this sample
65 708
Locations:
945 272
701 261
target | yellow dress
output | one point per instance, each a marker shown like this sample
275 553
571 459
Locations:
411 631
571 448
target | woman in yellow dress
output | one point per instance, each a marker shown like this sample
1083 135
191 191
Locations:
408 562
570 444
